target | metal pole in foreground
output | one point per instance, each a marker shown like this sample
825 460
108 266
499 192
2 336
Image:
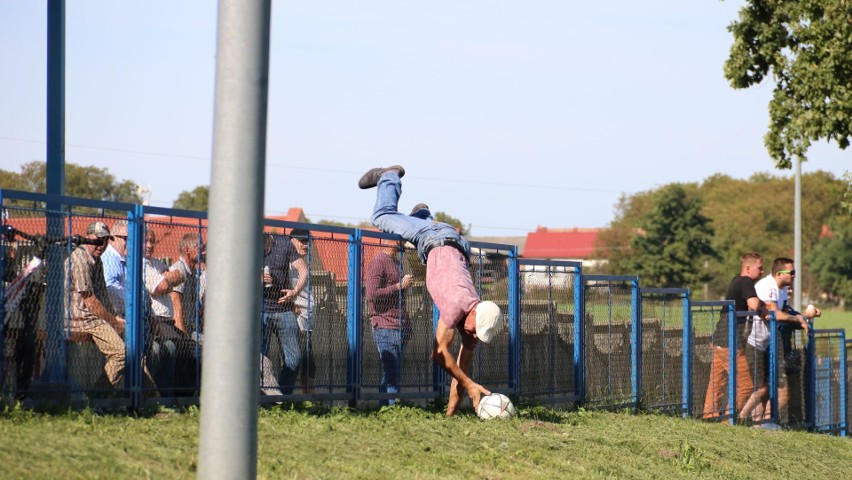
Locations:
797 237
231 368
55 173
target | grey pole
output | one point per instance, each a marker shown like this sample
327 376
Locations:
797 238
231 359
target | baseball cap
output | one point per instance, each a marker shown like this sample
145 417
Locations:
487 321
299 233
98 229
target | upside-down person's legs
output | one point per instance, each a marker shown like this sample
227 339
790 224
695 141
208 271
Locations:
386 216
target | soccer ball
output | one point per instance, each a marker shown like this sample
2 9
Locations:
495 405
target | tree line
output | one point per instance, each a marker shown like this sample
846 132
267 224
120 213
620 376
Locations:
692 234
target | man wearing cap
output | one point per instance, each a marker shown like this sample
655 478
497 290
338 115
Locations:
90 309
448 280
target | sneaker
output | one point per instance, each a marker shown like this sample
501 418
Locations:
418 207
371 178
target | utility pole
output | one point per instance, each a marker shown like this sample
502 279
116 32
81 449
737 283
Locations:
230 377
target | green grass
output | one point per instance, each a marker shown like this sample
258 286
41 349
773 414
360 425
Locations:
834 319
411 442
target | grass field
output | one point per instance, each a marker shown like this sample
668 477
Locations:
835 319
413 442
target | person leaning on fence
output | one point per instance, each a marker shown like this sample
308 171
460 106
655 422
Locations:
279 304
386 287
448 279
90 310
171 352
304 309
742 292
186 293
772 290
114 260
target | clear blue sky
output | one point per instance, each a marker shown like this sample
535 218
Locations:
507 115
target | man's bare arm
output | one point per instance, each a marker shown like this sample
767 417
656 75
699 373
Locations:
171 278
442 356
178 310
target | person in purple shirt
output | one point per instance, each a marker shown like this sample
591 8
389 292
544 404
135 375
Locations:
448 280
386 287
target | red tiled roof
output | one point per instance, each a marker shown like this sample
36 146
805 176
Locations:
561 243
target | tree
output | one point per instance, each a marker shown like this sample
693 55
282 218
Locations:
449 219
831 258
197 199
675 243
86 182
805 46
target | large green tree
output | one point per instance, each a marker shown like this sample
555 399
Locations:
831 258
806 47
197 199
674 240
80 181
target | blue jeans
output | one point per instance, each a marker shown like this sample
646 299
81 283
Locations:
290 343
423 233
390 343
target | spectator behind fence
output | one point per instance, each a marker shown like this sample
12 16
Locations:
772 290
171 352
742 292
386 287
114 260
304 308
279 304
185 295
448 280
90 311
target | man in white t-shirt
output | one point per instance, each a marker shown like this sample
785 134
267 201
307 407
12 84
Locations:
772 290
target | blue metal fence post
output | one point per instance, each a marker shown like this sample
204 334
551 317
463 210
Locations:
844 399
636 343
686 372
514 315
810 380
353 320
579 337
55 170
773 367
732 364
134 306
438 375
4 255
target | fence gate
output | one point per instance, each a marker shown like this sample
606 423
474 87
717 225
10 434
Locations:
612 341
548 317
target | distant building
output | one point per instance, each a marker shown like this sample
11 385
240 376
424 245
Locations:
576 244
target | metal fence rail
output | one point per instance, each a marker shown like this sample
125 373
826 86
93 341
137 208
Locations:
704 319
612 336
548 312
828 367
665 323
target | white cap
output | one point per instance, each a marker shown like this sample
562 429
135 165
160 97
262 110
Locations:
488 322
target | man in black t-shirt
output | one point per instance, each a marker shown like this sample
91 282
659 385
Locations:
742 292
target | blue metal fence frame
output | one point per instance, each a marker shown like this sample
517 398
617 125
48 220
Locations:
135 314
